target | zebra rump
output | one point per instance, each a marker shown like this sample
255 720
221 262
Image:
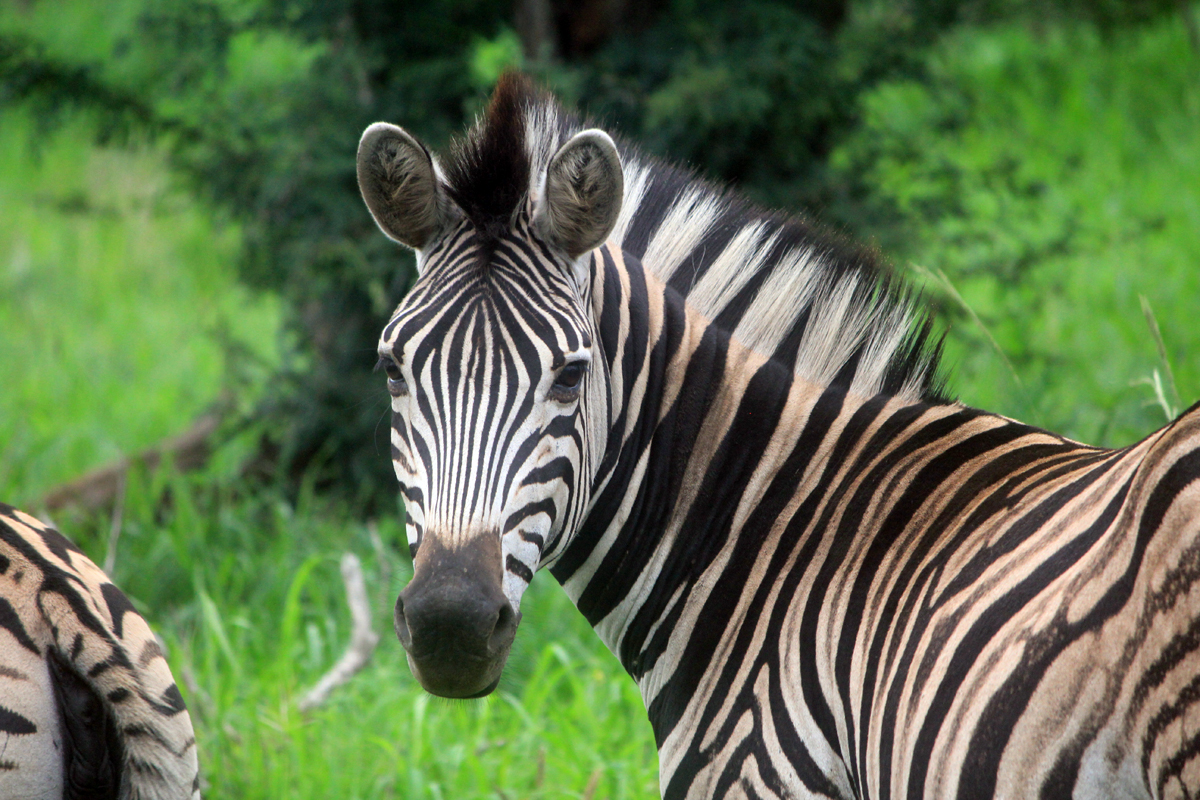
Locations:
88 707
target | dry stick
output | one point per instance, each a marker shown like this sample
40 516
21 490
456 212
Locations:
541 768
594 781
362 639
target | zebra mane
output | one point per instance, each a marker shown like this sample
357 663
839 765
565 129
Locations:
827 309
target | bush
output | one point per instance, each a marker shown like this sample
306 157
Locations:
1053 178
263 103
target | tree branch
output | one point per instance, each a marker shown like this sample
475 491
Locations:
189 450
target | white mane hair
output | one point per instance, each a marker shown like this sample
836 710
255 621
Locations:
778 284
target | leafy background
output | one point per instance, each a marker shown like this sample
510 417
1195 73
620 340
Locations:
182 232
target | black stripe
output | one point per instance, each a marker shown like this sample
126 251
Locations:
58 544
620 458
670 450
1174 766
517 568
707 527
1182 645
732 580
10 620
14 724
545 506
923 567
1005 707
118 605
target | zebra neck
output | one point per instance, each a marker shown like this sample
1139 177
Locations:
693 444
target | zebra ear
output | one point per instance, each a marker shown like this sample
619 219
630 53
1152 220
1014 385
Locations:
400 185
582 195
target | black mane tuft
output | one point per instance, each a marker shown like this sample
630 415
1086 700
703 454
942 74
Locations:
488 170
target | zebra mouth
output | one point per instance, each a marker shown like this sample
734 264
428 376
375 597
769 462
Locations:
451 668
453 681
454 620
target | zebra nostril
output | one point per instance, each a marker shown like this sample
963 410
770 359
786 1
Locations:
401 625
505 629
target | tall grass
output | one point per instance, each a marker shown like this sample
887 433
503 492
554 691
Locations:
248 595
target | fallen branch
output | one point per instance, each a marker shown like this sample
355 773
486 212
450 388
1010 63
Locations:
188 451
362 639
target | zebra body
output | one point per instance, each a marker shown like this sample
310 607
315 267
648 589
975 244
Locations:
88 707
994 636
722 434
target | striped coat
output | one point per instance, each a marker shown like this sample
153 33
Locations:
88 707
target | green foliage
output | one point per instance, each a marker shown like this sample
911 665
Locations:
119 315
262 104
491 57
752 93
1053 177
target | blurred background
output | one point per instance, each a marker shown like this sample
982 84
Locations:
191 291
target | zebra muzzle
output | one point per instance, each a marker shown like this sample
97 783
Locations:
453 618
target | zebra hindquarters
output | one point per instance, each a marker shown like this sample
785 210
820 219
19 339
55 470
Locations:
88 705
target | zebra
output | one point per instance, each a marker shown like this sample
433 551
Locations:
88 707
725 433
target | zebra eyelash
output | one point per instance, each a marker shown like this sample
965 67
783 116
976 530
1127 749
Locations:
384 363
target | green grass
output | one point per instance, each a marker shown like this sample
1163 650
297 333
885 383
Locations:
121 322
248 594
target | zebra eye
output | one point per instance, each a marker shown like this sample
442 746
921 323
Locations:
566 383
396 384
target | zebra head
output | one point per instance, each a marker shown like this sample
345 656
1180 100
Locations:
494 370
